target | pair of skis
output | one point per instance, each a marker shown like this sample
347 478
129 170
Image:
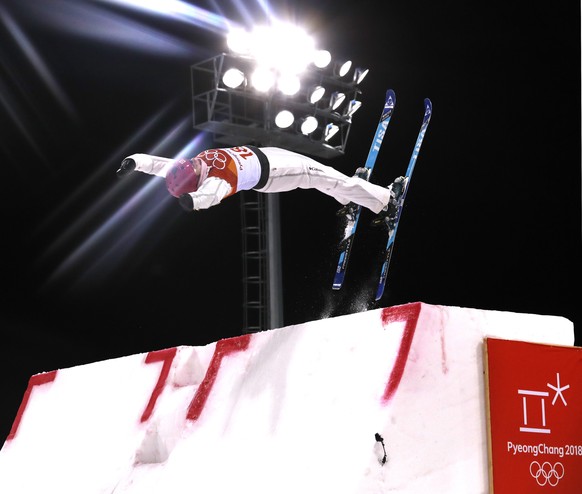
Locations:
347 240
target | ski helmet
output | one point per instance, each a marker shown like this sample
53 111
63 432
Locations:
183 177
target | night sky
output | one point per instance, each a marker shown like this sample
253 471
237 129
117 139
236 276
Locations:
94 267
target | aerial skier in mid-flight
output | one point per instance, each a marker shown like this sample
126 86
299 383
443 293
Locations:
214 174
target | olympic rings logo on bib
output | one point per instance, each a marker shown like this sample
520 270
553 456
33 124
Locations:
216 158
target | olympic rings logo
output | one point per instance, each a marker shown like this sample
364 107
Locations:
216 158
546 473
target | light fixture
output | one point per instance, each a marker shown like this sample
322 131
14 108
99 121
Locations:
308 125
315 94
282 46
284 119
360 74
238 40
289 84
321 59
233 78
336 99
262 79
353 107
235 96
342 68
331 129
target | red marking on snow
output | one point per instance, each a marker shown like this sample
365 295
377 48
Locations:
223 348
36 380
408 313
167 357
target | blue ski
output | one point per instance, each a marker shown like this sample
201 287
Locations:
409 170
352 222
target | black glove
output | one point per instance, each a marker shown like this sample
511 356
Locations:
127 166
186 202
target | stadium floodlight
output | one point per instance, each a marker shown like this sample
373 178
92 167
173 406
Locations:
289 84
360 74
315 94
284 119
239 41
263 79
282 47
336 99
342 67
331 129
308 125
353 107
236 95
233 78
321 58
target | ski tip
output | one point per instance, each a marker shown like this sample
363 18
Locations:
390 100
427 110
428 104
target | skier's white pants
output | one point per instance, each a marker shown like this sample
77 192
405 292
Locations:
289 171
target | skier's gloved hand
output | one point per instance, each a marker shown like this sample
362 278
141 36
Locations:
186 202
127 166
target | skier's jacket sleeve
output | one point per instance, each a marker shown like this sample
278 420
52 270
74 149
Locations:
211 192
152 165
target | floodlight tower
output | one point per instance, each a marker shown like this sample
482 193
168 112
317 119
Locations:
273 88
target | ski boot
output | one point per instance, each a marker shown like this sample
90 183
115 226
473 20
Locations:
348 211
388 215
363 173
127 166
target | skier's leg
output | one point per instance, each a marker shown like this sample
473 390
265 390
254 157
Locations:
289 171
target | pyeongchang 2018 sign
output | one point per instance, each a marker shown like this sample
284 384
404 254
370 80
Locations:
535 417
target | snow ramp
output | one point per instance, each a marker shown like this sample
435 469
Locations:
389 400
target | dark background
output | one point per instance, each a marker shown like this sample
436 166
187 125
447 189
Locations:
94 267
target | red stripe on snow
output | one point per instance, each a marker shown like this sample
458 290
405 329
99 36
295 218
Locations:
223 348
36 380
409 314
167 357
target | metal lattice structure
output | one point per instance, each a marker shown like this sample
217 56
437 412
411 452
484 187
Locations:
255 266
242 115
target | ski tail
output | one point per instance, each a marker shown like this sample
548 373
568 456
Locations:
409 171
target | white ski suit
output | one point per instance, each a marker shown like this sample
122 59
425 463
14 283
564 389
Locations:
267 169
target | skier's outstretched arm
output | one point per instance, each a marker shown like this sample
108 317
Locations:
146 163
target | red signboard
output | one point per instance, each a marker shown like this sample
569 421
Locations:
535 417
